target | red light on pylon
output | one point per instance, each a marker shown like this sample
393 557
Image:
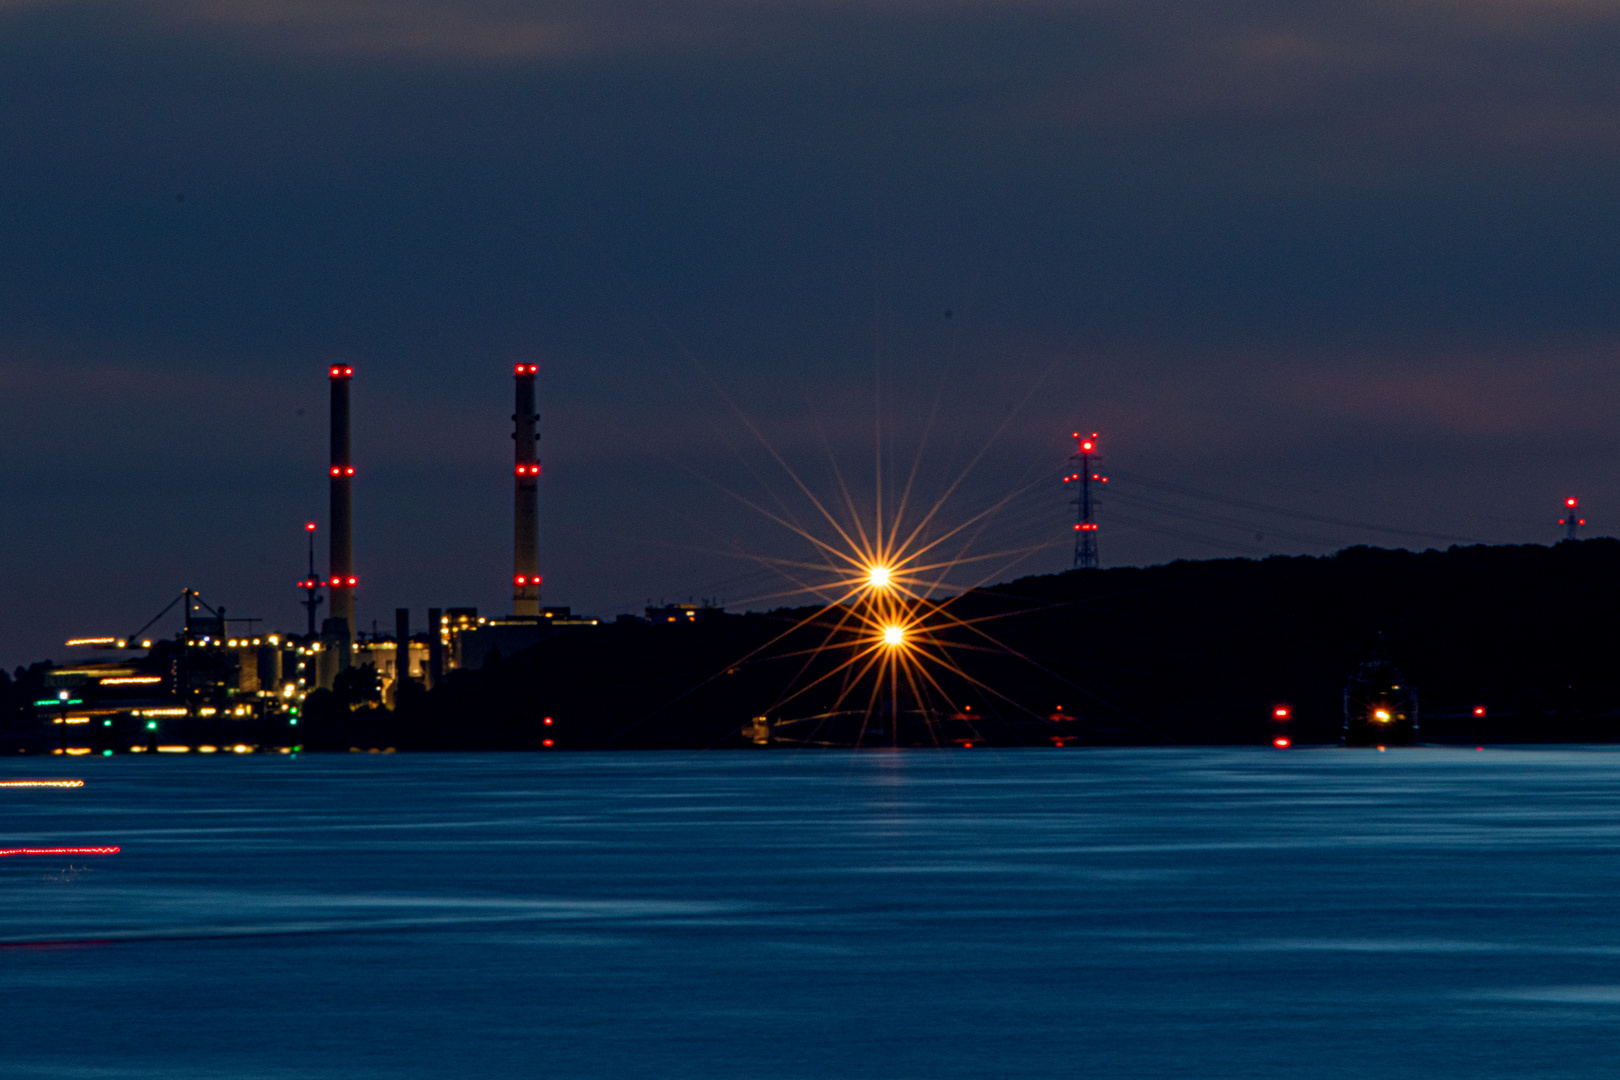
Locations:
547 742
1086 446
1281 742
309 526
1479 710
546 721
1281 712
1570 502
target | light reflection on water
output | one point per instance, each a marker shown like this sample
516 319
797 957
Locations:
1118 913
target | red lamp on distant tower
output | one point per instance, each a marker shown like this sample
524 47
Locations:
1570 520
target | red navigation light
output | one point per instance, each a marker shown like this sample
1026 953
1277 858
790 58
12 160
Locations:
1479 710
967 746
1281 712
547 742
546 721
1570 501
1086 446
1281 742
310 527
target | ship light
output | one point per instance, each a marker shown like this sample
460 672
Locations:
1381 715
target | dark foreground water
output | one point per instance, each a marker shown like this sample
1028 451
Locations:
1097 913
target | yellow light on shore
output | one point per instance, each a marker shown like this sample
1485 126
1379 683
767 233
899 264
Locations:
879 577
894 636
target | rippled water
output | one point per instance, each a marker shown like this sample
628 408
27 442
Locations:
1108 913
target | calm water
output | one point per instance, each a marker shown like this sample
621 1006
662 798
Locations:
1098 913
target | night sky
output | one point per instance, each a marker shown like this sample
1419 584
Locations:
1353 261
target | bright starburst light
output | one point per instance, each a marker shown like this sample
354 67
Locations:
881 641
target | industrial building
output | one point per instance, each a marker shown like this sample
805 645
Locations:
210 690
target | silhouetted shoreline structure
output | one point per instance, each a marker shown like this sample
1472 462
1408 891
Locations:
1509 644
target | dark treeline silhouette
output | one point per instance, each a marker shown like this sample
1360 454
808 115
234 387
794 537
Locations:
1189 652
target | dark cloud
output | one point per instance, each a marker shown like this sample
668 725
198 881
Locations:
1354 258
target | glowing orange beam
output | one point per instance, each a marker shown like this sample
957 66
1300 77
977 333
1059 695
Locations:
5 852
41 783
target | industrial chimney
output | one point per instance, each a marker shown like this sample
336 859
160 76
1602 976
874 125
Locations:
526 500
340 560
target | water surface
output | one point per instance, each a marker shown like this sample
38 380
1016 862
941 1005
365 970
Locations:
1099 913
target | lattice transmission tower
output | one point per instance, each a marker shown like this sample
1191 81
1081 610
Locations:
1085 501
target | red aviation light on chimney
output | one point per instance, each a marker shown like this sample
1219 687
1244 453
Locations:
528 470
527 369
1281 712
309 526
525 579
343 582
337 470
1570 502
340 372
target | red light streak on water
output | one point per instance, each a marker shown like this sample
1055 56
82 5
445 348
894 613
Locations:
58 851
41 783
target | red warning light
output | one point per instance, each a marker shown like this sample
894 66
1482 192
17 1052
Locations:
548 742
1570 501
336 470
1281 712
546 721
520 579
1281 742
310 526
1479 710
1086 446
341 372
528 369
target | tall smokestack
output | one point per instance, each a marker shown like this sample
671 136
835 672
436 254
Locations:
526 500
402 648
340 559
